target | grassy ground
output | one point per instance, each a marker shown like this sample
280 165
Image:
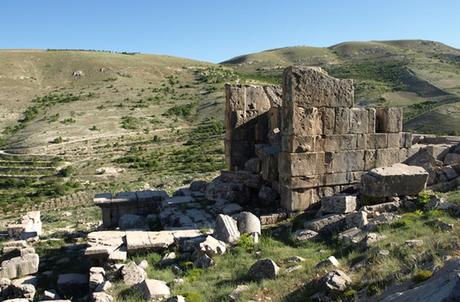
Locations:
402 263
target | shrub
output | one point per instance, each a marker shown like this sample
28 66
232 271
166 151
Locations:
246 242
422 275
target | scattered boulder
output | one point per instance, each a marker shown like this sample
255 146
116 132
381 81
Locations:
226 229
336 281
327 225
204 261
396 180
144 264
372 238
212 247
154 289
248 223
132 274
132 222
330 261
236 293
338 204
263 269
305 234
351 236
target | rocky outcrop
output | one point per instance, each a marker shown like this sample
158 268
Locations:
444 285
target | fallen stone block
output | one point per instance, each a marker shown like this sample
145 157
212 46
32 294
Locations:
19 266
327 224
132 274
356 219
212 247
226 229
338 204
396 180
143 241
351 236
336 281
154 289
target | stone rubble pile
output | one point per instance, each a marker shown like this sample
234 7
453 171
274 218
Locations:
19 264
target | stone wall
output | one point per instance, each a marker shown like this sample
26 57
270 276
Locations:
325 142
251 114
137 203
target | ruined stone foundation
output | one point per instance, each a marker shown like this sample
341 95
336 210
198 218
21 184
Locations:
311 140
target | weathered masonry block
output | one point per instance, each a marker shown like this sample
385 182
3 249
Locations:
320 143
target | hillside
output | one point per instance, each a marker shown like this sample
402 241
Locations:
422 76
137 117
100 121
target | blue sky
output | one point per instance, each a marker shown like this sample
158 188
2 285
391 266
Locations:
213 30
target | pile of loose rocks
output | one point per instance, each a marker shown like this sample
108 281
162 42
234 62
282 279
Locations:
19 264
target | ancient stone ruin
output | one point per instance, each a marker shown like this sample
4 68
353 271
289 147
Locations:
309 138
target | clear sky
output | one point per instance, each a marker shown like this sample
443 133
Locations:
215 30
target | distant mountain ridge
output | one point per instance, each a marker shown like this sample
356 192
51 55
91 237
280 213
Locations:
422 76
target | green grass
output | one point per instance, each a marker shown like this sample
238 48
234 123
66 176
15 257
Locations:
403 263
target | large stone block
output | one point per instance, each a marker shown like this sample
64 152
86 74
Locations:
394 140
313 87
344 161
302 121
340 142
301 144
376 140
358 120
406 140
298 199
342 120
371 120
328 120
301 164
396 180
389 119
300 182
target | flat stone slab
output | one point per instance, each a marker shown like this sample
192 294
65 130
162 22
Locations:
396 180
103 243
176 200
138 240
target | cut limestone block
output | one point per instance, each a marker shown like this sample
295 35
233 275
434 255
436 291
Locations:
226 229
396 180
301 164
313 87
298 199
338 204
389 119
